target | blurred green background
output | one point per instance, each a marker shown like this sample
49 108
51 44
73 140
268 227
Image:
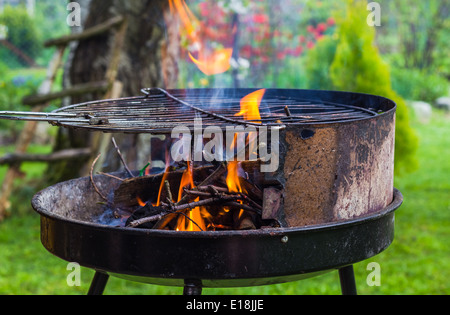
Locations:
282 44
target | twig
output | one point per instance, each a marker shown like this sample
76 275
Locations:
216 174
212 188
211 178
251 201
17 158
242 207
168 191
92 179
111 176
187 217
227 200
121 157
148 220
205 191
158 217
198 193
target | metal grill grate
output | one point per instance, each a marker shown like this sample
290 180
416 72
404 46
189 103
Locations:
160 111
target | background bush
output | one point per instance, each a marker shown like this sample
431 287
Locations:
22 30
416 84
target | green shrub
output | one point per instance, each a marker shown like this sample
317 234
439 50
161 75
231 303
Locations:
12 90
318 62
22 31
414 84
358 67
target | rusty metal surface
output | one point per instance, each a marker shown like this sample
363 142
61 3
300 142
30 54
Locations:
340 171
219 259
336 161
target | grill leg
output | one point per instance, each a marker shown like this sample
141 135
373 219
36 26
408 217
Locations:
348 284
192 287
98 284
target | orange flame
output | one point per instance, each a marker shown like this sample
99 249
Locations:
209 61
187 18
250 110
233 178
166 173
195 215
186 180
250 106
140 202
216 63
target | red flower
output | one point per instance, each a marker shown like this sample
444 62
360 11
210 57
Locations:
265 59
331 21
280 55
246 51
310 29
302 39
298 51
322 27
204 9
260 18
310 45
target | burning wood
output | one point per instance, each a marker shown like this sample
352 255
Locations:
223 196
173 201
207 207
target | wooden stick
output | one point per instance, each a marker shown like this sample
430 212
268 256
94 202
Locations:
147 220
111 176
211 178
121 157
92 179
212 188
18 52
226 200
69 154
244 207
78 89
197 193
27 134
91 32
168 191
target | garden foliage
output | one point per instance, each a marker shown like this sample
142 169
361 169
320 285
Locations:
350 61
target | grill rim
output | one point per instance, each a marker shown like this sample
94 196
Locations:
57 233
387 106
395 204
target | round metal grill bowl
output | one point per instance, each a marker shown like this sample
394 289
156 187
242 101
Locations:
218 259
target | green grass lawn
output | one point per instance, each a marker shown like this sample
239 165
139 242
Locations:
418 262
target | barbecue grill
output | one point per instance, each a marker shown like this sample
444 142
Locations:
334 183
160 111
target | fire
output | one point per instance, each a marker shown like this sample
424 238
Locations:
250 106
186 180
166 173
195 215
140 202
216 62
233 177
210 61
199 218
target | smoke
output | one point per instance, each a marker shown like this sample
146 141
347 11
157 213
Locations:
270 40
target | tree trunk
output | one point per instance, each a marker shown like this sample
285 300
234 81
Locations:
140 66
